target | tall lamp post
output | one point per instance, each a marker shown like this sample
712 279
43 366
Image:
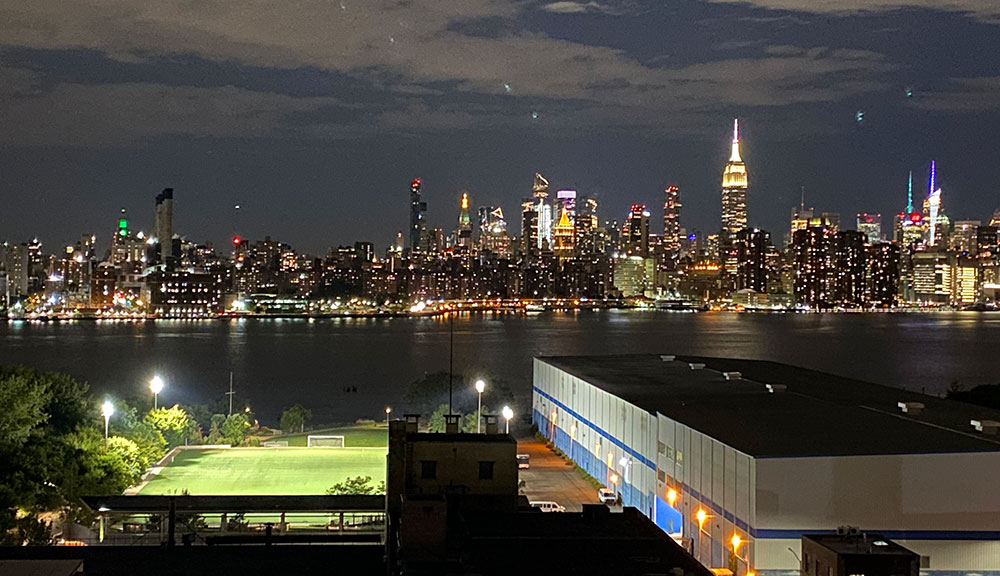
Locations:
107 409
387 410
155 386
507 414
480 386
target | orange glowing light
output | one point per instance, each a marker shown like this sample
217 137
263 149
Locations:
671 496
736 541
701 516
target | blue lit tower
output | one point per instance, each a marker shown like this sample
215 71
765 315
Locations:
418 226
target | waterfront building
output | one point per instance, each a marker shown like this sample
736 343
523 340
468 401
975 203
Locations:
634 276
770 452
965 281
813 264
734 189
932 277
16 263
871 226
849 271
418 218
883 274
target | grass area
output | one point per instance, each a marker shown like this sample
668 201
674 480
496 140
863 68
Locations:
266 470
355 435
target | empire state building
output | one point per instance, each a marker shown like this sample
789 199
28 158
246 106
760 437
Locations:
734 189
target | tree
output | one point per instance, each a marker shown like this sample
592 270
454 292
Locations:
215 430
234 429
357 485
22 404
469 422
295 418
437 421
128 458
173 423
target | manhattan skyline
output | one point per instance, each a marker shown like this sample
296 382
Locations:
316 135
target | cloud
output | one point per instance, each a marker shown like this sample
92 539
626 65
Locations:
986 10
415 49
580 8
962 95
129 114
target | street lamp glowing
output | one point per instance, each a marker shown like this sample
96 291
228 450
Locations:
107 409
671 497
701 516
388 409
155 386
480 386
507 414
614 479
736 542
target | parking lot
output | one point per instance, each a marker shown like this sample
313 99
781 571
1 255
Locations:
550 478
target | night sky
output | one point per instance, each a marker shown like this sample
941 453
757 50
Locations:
314 115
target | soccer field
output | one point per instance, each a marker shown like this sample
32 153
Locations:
254 471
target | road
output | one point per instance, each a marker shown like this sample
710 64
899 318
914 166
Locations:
551 479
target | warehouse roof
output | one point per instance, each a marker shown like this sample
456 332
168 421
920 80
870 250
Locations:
808 413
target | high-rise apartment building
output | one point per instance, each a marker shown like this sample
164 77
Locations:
418 223
883 274
734 189
849 272
963 236
672 219
812 255
752 247
585 227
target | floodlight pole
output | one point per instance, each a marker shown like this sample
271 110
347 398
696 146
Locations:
230 393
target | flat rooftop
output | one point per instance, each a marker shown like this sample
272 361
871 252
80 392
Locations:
860 545
817 414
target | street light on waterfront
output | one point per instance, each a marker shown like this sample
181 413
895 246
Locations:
480 386
387 410
508 414
107 409
155 386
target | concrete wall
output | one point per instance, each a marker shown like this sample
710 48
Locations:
458 465
945 506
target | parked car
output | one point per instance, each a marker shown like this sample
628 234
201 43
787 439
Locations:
548 506
523 461
607 496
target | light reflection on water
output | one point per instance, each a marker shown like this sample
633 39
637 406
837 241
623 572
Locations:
278 363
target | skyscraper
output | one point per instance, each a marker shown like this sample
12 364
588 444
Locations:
585 227
672 219
464 232
752 249
635 232
536 218
418 226
562 237
164 224
734 189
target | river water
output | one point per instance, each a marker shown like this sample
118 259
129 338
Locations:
280 362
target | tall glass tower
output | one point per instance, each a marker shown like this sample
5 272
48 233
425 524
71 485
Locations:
418 226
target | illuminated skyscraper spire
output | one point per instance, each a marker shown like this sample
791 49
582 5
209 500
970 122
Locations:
909 195
933 174
464 222
735 157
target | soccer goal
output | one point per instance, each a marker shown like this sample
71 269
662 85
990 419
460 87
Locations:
318 441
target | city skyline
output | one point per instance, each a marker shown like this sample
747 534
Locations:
311 132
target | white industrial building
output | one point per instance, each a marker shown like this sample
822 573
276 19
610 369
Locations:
769 452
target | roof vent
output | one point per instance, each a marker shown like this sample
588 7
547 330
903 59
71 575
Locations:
696 365
772 388
913 408
986 426
732 375
667 357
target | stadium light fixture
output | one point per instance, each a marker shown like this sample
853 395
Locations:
508 414
156 386
480 386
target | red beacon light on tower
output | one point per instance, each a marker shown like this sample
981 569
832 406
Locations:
916 217
236 240
415 183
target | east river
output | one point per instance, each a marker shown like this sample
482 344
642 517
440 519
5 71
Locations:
280 362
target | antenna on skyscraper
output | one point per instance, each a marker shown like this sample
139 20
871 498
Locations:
802 201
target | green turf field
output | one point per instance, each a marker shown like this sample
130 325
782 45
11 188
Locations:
356 435
265 470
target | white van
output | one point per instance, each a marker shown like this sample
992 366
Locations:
548 506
